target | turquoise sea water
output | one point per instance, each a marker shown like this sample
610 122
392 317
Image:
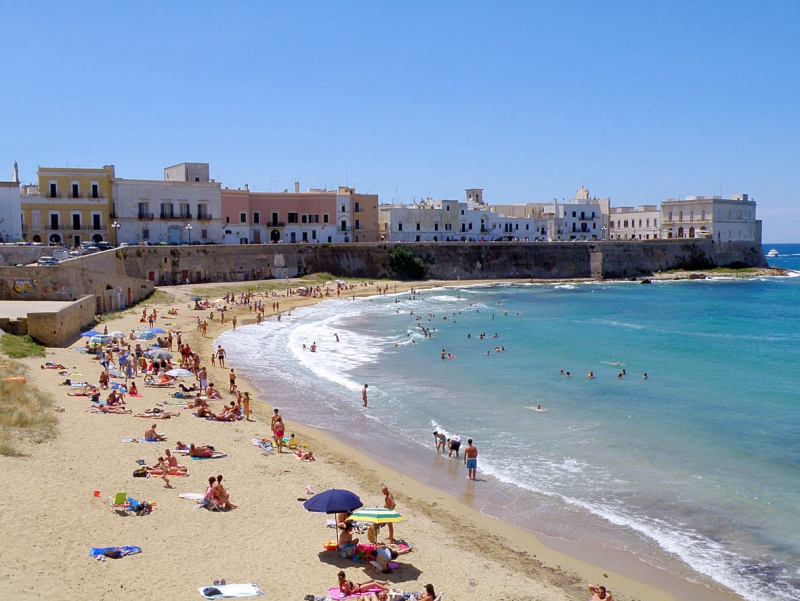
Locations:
694 469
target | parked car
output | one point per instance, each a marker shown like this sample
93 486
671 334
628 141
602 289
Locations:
123 245
105 245
89 250
47 262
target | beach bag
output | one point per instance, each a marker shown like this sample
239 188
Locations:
140 472
113 553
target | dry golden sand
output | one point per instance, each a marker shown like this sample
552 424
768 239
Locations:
50 518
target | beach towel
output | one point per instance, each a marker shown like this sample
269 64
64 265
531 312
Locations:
192 496
140 440
97 551
335 593
230 591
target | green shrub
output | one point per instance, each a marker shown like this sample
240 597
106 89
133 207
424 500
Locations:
405 265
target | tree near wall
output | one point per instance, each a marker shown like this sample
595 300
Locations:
405 265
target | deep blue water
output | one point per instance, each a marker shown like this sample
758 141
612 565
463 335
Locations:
694 469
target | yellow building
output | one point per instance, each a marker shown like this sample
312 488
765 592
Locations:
69 207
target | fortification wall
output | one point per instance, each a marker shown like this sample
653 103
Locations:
553 260
101 275
58 328
22 255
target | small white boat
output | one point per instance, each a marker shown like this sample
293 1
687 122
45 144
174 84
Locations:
773 253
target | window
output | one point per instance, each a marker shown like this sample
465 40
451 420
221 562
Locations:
53 190
343 209
470 226
76 221
399 227
242 217
358 207
96 221
166 210
573 214
703 215
292 217
303 218
417 239
324 218
448 207
256 217
358 224
145 234
655 222
313 234
344 226
647 222
274 219
183 208
204 234
462 211
227 219
313 218
95 190
144 210
76 193
436 227
418 227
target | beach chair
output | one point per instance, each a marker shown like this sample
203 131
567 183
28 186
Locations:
119 502
291 443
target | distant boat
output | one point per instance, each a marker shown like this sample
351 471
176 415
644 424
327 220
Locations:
773 253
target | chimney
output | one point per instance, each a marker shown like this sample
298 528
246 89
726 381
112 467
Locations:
247 188
296 187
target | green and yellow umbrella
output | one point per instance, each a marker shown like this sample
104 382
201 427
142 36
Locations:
376 515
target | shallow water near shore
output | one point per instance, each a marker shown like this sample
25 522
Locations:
694 469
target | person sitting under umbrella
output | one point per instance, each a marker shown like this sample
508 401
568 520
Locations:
347 544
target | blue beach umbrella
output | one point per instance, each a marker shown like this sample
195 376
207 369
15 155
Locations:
333 501
148 335
91 333
100 338
157 331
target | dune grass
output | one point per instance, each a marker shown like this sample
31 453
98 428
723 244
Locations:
18 347
26 413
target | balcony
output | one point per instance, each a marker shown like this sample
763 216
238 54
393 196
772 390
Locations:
146 216
344 229
204 216
276 224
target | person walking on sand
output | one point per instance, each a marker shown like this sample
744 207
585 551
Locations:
388 503
163 467
364 394
471 459
221 355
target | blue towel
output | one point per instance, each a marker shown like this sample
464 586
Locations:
97 551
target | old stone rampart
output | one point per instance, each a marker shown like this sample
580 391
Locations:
56 328
554 260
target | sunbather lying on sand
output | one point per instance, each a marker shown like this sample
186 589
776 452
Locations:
49 365
348 587
202 451
305 456
159 415
112 409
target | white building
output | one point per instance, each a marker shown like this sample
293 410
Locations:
10 209
627 223
426 221
723 219
185 207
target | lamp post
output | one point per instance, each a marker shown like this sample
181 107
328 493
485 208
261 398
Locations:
116 227
188 229
603 232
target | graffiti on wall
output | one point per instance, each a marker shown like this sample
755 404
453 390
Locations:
25 285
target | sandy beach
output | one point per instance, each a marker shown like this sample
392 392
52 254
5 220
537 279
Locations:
52 518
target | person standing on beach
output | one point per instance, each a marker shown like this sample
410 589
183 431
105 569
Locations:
221 355
246 406
233 381
471 459
388 503
441 440
364 394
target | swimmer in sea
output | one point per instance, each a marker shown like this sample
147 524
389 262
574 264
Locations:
590 375
644 377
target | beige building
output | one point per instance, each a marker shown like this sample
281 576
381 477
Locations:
722 219
627 223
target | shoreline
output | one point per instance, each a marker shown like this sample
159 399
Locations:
84 458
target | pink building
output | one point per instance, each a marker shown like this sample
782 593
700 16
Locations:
313 216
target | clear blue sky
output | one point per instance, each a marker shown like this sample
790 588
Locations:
639 101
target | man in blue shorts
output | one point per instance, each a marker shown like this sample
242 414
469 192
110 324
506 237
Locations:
471 459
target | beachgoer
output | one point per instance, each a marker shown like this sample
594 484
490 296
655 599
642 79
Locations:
346 537
644 377
364 394
222 495
163 467
172 461
246 406
201 451
454 444
599 593
151 435
590 375
209 500
441 440
347 587
388 503
471 459
279 430
202 375
429 594
221 355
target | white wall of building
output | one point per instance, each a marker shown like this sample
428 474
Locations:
139 204
10 212
627 223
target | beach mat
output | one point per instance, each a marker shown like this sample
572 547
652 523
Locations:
335 593
220 456
231 591
140 440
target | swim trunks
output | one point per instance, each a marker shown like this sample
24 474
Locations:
472 464
455 445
